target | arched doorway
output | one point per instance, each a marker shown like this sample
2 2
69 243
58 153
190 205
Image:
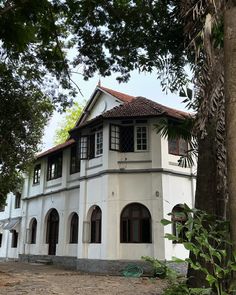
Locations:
52 231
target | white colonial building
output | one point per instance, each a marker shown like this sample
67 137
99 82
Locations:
98 199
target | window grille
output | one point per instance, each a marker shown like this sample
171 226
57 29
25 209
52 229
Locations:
127 139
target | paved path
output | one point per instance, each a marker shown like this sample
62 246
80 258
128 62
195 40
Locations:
23 278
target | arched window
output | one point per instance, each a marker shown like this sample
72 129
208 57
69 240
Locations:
179 216
135 223
74 229
33 231
96 228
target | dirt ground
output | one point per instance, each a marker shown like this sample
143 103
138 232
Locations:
23 278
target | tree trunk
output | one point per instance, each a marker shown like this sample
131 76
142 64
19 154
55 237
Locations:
230 114
207 197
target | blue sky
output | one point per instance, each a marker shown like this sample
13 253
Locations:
140 84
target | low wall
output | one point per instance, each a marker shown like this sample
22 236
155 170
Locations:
98 266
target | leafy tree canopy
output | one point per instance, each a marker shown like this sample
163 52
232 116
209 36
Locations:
109 36
32 66
68 123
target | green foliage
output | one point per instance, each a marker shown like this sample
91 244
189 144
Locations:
32 51
24 111
68 123
121 36
182 289
109 36
180 129
207 237
160 269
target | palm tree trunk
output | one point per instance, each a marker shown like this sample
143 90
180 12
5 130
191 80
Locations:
206 197
230 105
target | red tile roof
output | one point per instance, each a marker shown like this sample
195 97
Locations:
121 96
138 107
56 148
132 107
143 107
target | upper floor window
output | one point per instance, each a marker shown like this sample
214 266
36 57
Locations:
135 223
37 172
83 147
91 145
74 159
114 137
54 166
99 142
128 138
177 146
141 138
17 200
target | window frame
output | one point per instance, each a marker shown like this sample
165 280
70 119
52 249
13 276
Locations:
37 174
74 159
177 151
17 200
96 226
119 141
116 138
33 231
99 144
14 239
127 224
83 147
74 228
57 161
136 138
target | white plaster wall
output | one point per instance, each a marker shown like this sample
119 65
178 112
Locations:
176 190
9 212
65 202
157 190
103 103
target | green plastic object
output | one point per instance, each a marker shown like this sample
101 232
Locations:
132 270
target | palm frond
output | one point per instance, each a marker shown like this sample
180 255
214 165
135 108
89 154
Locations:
180 129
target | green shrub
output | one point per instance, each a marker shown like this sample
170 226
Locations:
160 269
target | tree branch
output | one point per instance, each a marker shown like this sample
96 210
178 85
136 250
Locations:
9 7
